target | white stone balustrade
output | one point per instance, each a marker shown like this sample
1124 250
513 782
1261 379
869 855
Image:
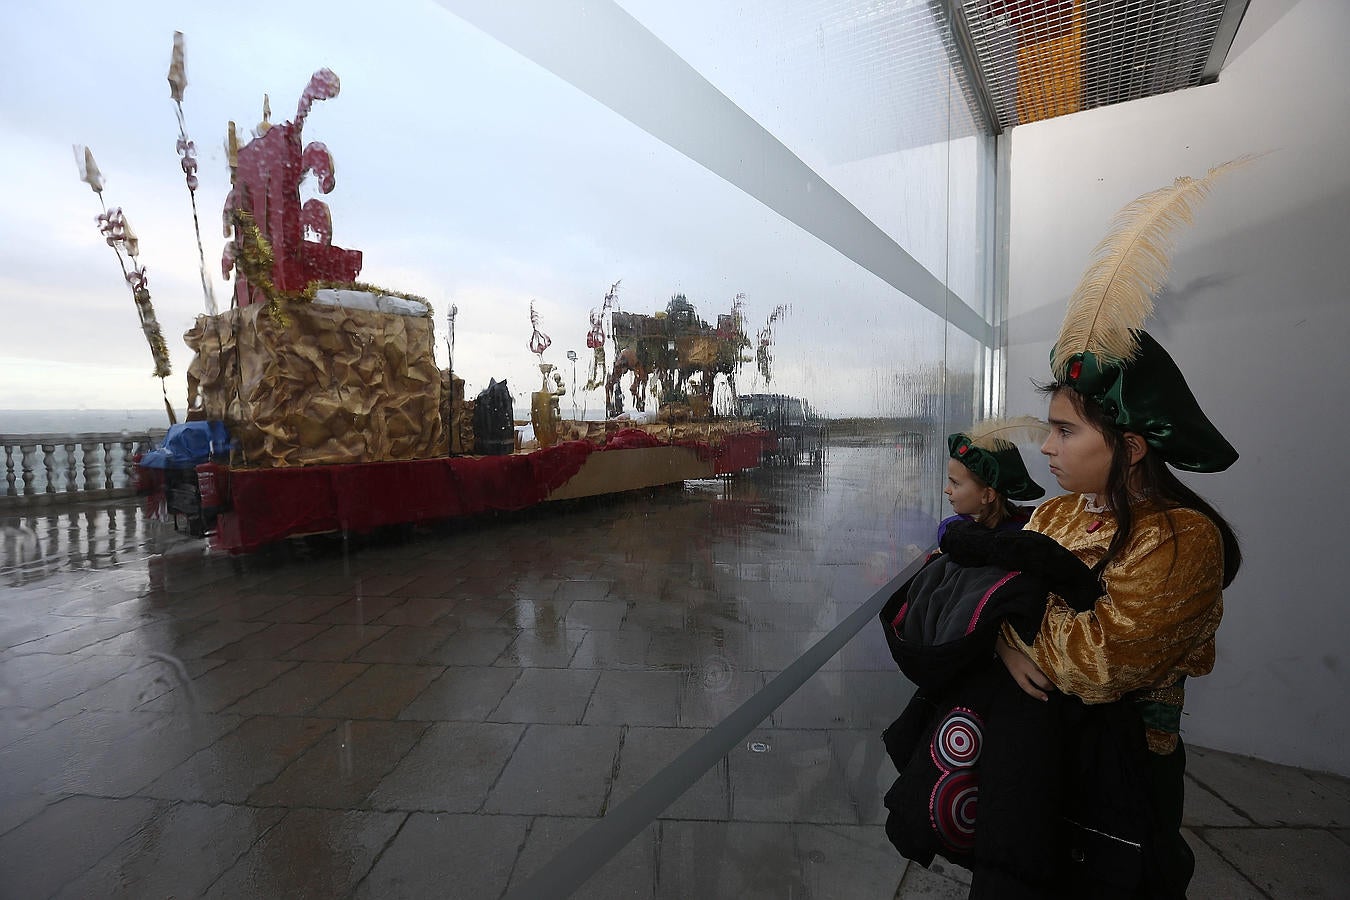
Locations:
41 469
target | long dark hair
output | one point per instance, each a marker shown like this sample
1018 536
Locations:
1155 478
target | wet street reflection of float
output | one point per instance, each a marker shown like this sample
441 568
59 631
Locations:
523 668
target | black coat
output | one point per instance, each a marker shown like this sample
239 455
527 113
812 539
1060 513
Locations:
1058 786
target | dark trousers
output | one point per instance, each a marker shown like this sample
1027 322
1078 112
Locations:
1110 870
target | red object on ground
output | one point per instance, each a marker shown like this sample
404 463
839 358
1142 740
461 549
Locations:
741 451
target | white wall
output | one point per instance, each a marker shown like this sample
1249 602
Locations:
1258 316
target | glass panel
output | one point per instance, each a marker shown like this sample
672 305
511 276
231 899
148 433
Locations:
383 694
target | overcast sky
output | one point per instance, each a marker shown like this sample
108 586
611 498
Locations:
468 174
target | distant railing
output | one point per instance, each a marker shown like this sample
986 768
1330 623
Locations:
70 468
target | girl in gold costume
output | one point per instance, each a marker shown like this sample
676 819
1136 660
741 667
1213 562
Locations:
1120 414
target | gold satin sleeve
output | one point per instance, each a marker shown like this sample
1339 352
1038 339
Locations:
1158 617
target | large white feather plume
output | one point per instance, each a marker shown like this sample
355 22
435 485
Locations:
1130 265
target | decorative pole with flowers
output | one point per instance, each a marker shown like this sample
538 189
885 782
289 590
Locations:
188 151
117 231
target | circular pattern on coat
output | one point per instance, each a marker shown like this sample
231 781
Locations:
958 739
953 810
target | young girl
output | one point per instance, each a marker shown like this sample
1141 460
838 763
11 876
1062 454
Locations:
1120 414
985 473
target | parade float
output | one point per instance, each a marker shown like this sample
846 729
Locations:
315 402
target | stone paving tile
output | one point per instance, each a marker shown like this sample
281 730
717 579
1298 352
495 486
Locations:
335 643
450 770
561 770
1204 808
1335 784
320 585
680 651
543 615
299 690
34 764
646 751
538 587
612 650
238 608
652 616
303 609
406 645
859 856
311 853
631 874
481 613
541 648
41 680
17 630
139 686
177 854
65 840
19 722
429 586
237 764
479 647
380 692
359 610
774 651
845 700
1267 793
797 779
444 558
286 579
384 584
730 859
1342 833
218 688
710 694
434 852
343 767
123 766
596 615
462 693
635 698
924 884
155 637
85 633
208 639
16 668
418 611
483 586
1214 876
1286 862
271 642
547 695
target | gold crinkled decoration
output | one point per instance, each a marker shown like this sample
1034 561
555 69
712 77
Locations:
326 385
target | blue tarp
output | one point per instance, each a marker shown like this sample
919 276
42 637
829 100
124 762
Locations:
187 445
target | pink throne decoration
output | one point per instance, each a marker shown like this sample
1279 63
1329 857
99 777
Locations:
267 184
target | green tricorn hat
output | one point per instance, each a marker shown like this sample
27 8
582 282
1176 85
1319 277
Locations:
1149 396
1104 354
988 451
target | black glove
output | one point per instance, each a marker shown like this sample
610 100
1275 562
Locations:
1044 557
968 544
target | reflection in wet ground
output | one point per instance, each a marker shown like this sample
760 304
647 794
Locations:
451 705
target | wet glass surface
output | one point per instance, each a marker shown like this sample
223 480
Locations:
455 703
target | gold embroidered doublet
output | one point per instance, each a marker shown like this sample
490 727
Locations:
1156 621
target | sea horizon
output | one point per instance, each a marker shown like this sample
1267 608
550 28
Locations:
82 421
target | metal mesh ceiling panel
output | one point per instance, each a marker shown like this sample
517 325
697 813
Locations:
1044 58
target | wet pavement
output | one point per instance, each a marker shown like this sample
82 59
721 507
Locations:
442 711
